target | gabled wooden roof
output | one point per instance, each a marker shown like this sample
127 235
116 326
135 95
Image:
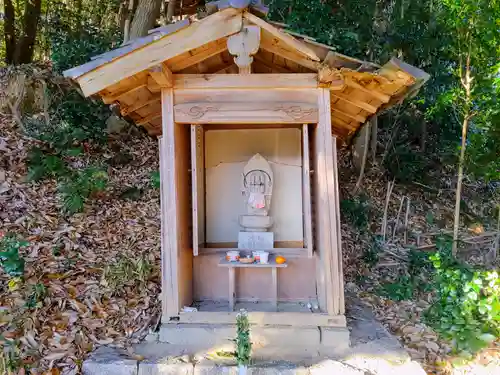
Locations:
131 75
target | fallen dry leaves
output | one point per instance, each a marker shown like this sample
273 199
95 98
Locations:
68 255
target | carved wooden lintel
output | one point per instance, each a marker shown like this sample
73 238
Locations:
243 45
246 113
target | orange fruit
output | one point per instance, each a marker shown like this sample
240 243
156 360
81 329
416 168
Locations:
280 259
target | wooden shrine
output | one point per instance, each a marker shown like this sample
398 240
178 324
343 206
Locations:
216 91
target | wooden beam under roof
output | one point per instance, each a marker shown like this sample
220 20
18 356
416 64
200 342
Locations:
384 98
109 99
213 27
274 68
198 57
162 75
357 118
125 111
285 38
148 118
274 47
358 103
342 123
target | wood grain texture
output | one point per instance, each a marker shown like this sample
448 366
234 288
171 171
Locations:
232 288
108 99
237 81
126 110
243 95
198 186
184 63
162 75
285 38
148 118
245 113
355 117
273 46
332 213
306 191
384 98
323 225
358 103
213 27
336 198
168 210
294 319
184 217
297 280
166 291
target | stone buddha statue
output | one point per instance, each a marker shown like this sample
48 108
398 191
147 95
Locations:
257 187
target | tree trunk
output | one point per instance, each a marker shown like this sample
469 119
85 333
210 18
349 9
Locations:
171 10
128 20
366 145
24 50
79 9
461 161
144 18
9 31
466 80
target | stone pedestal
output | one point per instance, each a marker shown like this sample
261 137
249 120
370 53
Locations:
255 240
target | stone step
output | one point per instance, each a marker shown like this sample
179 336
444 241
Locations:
166 359
271 335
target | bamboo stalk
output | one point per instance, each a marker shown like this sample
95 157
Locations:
400 209
407 214
390 186
365 156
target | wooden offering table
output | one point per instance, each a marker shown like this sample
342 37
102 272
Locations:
232 280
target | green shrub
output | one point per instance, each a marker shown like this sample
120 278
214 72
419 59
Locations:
372 250
10 260
356 212
415 280
155 179
466 310
76 124
79 186
42 164
401 289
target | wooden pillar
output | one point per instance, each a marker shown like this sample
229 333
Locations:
169 230
336 197
327 242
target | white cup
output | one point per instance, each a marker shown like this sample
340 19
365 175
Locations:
232 256
264 257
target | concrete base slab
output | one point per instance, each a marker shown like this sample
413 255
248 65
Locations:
108 361
330 367
336 338
159 368
197 334
283 336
